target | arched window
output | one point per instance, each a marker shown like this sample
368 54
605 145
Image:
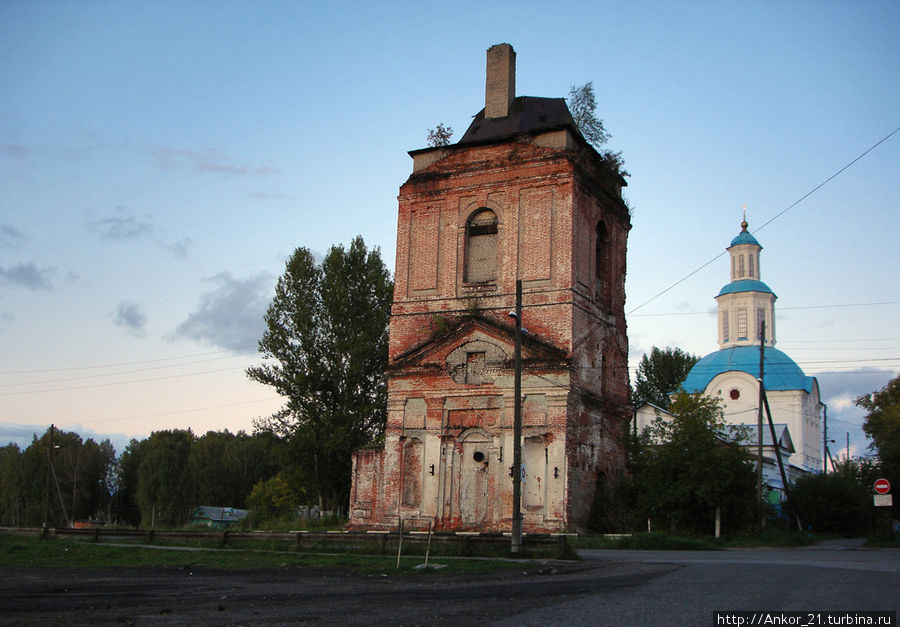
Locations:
481 247
602 273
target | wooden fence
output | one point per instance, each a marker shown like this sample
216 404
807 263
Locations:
306 539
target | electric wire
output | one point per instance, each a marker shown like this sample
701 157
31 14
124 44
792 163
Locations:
772 219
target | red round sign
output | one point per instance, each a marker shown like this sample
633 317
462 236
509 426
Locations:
882 486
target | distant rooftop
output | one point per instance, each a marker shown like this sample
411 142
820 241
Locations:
527 114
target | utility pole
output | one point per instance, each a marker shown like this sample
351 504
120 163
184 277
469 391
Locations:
517 429
759 431
825 439
848 447
47 489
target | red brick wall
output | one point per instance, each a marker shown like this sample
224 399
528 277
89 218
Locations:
548 202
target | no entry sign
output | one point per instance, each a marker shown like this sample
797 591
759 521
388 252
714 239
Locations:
882 486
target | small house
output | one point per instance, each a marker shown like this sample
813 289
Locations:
217 517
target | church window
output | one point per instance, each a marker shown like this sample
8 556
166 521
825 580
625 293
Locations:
474 368
750 264
481 247
740 265
733 275
725 337
742 324
602 272
734 394
760 321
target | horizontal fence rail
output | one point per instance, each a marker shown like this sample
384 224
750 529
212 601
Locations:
303 538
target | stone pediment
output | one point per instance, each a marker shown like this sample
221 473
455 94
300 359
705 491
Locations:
478 348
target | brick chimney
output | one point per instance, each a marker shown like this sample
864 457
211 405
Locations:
500 88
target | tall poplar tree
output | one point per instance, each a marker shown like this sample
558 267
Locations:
325 351
660 374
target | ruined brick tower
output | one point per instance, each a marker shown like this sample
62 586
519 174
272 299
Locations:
520 196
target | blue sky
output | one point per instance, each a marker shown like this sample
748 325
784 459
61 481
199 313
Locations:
159 161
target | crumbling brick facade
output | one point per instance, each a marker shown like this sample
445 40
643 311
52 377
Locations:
534 203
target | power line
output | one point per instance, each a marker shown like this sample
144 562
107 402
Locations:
176 412
713 312
773 218
118 365
116 374
103 385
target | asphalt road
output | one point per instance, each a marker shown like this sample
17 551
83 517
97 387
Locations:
606 588
838 575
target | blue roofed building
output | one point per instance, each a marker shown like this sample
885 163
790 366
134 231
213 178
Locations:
746 310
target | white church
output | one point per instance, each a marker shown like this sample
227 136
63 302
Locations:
731 373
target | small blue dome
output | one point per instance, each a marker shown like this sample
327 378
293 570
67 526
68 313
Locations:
744 238
745 285
780 371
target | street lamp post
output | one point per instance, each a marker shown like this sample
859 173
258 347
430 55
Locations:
517 428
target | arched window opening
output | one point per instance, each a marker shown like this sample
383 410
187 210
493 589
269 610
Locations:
602 271
412 473
481 247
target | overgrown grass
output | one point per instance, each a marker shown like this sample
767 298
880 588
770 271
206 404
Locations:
770 537
886 543
656 541
373 544
36 552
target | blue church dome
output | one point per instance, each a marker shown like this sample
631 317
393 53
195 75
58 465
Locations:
780 372
745 285
744 238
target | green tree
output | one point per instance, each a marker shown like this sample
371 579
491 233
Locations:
583 107
325 352
882 426
125 506
12 486
273 498
833 503
439 136
76 486
660 374
687 470
164 489
224 466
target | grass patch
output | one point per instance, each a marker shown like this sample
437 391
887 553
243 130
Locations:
884 543
653 541
771 537
36 552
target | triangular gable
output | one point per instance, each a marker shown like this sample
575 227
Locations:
479 332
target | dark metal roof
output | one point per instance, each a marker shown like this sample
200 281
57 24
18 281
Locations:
527 115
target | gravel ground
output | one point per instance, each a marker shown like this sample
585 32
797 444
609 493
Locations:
205 596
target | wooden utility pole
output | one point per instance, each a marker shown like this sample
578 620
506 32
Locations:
517 429
47 489
759 430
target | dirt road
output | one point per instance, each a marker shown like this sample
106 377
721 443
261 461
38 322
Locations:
204 596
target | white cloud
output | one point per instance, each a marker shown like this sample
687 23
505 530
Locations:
28 275
10 236
231 315
131 316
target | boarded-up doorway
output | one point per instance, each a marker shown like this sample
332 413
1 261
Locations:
473 482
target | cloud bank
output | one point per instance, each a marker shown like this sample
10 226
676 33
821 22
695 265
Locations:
230 316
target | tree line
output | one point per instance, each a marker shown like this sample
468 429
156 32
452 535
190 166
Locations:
324 350
156 481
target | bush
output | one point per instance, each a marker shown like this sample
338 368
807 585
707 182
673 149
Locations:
833 503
